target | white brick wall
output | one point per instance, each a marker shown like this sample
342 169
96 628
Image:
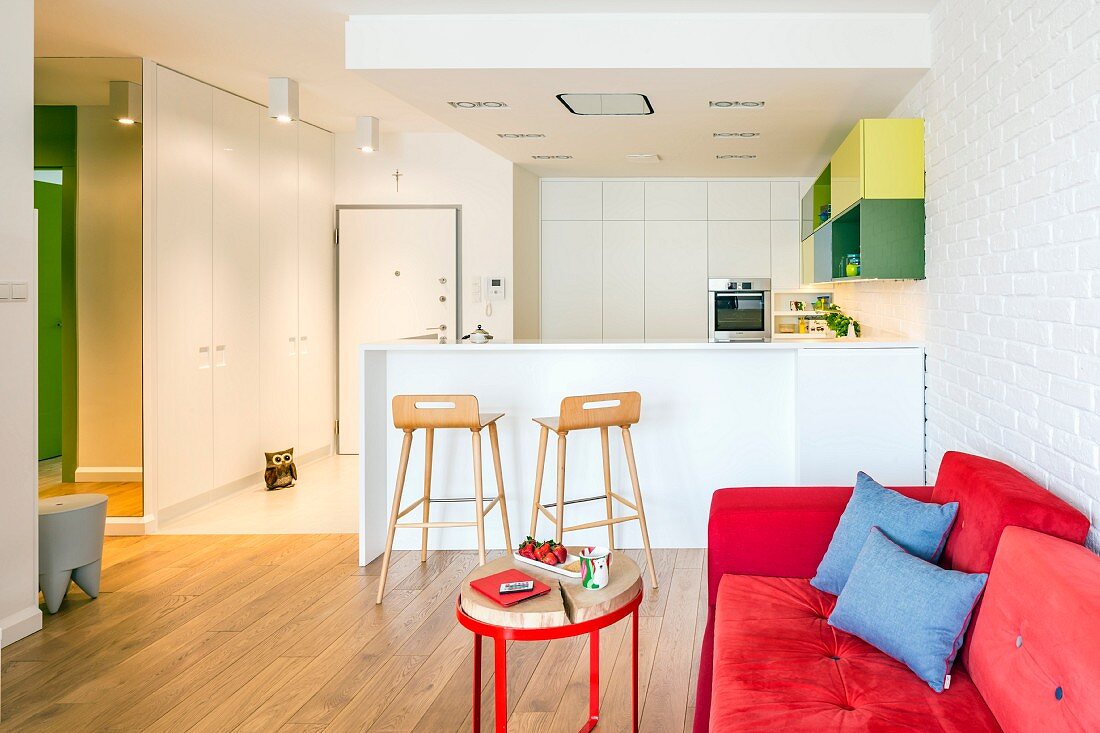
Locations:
1011 306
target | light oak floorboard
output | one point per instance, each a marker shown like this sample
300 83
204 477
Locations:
281 633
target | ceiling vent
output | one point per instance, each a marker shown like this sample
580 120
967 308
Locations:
611 105
731 156
479 105
736 134
722 104
643 157
551 157
520 135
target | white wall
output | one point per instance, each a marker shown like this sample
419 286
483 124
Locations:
443 168
1011 306
19 614
108 254
525 253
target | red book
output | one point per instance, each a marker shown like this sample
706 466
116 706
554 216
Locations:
490 586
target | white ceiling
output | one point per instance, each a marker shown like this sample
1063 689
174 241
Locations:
238 44
83 81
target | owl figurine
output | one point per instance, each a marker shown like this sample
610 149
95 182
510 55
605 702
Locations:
281 472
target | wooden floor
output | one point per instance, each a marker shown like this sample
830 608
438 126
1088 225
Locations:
124 498
281 633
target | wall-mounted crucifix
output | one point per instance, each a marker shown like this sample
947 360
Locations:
397 179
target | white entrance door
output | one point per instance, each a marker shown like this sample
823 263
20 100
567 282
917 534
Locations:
397 281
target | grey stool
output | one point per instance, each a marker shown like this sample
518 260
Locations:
70 545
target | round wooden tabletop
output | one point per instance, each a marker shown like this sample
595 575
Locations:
568 602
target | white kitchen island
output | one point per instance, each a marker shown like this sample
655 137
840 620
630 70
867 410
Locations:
786 413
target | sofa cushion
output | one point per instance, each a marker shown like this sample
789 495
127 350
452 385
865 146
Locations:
993 496
911 609
778 665
919 527
1034 650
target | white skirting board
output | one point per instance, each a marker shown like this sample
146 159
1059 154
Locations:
100 474
130 526
20 624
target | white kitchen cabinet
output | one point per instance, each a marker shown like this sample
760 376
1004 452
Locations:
785 200
623 201
316 292
676 280
236 288
860 410
624 280
278 284
183 286
739 200
786 254
572 280
572 201
675 201
739 249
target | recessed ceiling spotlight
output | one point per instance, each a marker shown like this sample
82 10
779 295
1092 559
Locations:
551 157
643 157
479 105
737 105
737 134
520 135
729 156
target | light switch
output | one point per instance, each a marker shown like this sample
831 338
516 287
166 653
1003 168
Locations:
5 291
19 291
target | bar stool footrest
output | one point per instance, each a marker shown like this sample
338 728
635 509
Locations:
567 502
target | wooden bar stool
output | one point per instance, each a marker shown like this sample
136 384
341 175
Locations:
603 411
429 412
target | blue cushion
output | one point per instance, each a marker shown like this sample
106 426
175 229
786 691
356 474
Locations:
910 609
918 527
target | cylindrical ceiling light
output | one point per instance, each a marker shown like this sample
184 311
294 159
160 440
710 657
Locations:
125 102
366 134
282 99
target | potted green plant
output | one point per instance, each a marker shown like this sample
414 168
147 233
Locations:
838 322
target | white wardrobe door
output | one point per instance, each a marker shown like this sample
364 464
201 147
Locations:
278 284
675 279
236 228
184 275
786 255
623 280
740 249
572 280
785 200
739 200
316 291
572 200
676 200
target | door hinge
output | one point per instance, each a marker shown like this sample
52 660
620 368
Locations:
337 427
336 236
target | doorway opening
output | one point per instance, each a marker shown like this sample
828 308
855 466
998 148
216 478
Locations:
88 195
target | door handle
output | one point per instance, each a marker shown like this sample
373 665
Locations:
204 357
303 346
219 356
293 346
440 327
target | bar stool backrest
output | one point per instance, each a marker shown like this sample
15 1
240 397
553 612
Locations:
411 412
599 411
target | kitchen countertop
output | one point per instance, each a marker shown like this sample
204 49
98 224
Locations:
685 345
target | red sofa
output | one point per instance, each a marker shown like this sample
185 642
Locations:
770 661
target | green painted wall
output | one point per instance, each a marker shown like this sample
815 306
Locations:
55 147
47 199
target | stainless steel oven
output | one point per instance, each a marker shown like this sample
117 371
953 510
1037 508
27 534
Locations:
740 309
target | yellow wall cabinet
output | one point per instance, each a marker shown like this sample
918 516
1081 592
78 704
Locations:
879 168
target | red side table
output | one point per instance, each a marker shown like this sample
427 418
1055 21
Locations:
557 615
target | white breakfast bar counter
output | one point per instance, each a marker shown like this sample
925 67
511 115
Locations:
785 413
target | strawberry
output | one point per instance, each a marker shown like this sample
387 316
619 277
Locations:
528 545
543 550
526 551
550 558
560 553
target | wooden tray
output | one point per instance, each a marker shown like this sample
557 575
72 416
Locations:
552 568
